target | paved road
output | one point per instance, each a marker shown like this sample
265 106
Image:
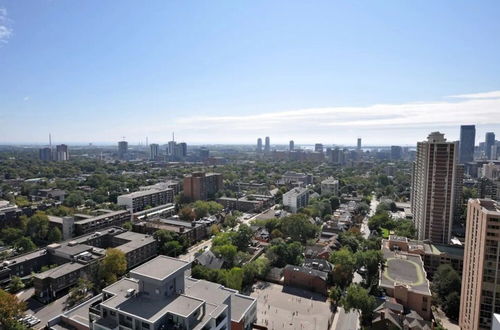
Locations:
46 312
364 226
345 321
25 294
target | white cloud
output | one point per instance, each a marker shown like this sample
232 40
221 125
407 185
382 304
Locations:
412 120
5 30
487 95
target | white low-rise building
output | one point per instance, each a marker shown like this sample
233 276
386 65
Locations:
296 199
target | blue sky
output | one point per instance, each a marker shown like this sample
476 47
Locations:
231 71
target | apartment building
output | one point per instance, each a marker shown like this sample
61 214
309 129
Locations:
249 203
139 200
158 295
175 185
291 177
78 258
330 186
404 279
296 199
434 188
85 224
480 296
433 255
202 186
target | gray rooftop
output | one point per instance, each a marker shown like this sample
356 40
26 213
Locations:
135 240
102 216
60 270
152 309
239 305
160 267
73 250
142 193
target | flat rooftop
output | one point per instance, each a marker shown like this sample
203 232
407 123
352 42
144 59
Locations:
102 216
80 313
217 294
153 309
142 193
239 306
61 270
134 241
160 267
207 291
404 268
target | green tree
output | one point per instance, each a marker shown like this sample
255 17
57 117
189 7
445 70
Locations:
22 201
358 298
344 264
334 202
173 248
298 228
243 237
79 291
24 244
446 284
169 243
10 235
230 221
127 225
452 305
334 294
38 227
74 199
281 253
234 278
371 260
54 235
227 252
16 284
187 214
113 265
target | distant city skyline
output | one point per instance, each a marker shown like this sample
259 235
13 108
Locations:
226 72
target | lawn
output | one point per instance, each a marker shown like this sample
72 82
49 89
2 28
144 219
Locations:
385 233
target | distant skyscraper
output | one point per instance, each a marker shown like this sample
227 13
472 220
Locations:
45 154
62 152
480 289
359 143
183 149
259 145
433 189
267 147
154 151
122 149
396 152
171 148
318 147
291 145
489 142
204 153
467 142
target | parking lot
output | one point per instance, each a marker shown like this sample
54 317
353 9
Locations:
283 307
45 312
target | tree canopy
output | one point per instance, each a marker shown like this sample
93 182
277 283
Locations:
113 265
